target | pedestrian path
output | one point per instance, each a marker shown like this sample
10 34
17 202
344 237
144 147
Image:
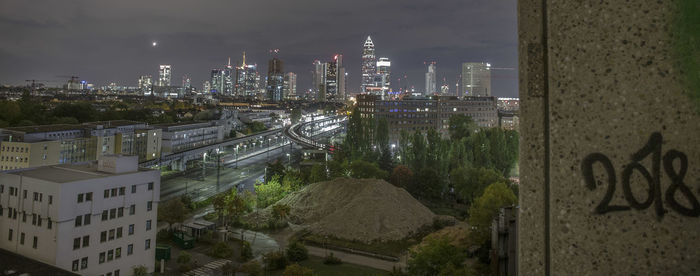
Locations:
208 269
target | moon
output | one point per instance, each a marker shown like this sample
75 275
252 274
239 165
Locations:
154 43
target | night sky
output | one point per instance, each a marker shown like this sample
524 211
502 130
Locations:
111 41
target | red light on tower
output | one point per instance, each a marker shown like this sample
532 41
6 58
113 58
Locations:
335 57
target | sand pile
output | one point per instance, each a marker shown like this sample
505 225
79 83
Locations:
356 209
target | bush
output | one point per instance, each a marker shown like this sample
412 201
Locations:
140 270
275 260
246 251
297 270
163 236
297 252
332 260
184 261
221 250
253 268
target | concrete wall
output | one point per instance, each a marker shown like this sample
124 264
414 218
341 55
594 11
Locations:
602 89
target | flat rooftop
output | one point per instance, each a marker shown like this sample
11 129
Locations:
13 264
67 173
45 128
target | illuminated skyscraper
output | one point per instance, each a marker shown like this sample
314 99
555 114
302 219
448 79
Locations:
146 85
206 87
369 62
476 79
290 86
247 78
430 80
217 81
227 75
318 81
332 78
383 76
275 80
164 75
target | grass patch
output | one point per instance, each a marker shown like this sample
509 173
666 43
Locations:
316 264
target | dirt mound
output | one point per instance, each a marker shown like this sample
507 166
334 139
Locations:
356 209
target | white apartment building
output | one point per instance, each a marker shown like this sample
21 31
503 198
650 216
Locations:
92 219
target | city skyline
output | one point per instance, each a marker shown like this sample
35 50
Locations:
121 51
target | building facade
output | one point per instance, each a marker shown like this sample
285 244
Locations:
422 114
290 86
431 80
164 75
382 80
369 65
476 80
146 85
318 81
95 219
275 80
183 136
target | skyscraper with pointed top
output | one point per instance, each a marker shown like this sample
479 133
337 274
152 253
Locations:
246 79
369 65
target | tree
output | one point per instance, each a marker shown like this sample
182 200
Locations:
485 208
401 176
417 151
318 174
139 270
436 255
297 252
280 211
470 182
219 203
297 270
428 183
269 192
381 139
252 268
461 126
364 169
275 168
235 206
172 211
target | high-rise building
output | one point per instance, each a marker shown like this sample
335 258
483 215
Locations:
217 81
369 65
247 79
444 90
164 75
228 79
206 87
98 218
476 79
383 76
146 85
318 81
430 80
342 75
331 79
275 80
290 86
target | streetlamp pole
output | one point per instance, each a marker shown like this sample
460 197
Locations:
218 169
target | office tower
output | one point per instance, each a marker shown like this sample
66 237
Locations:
430 80
369 62
227 79
164 75
290 86
342 76
318 81
382 79
275 80
92 219
217 81
331 79
444 90
146 85
247 79
206 87
476 79
186 84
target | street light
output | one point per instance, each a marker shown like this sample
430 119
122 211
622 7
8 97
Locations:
289 160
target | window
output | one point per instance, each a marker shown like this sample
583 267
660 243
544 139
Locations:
86 219
88 196
110 255
133 189
49 223
111 234
148 244
112 213
104 215
50 199
35 242
78 221
21 238
102 257
75 265
118 253
2 187
38 220
131 229
148 225
33 219
132 209
107 193
119 232
24 194
36 196
120 212
1 210
130 249
121 191
76 243
103 236
114 192
149 205
10 235
80 198
83 263
24 216
86 241
150 186
116 272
